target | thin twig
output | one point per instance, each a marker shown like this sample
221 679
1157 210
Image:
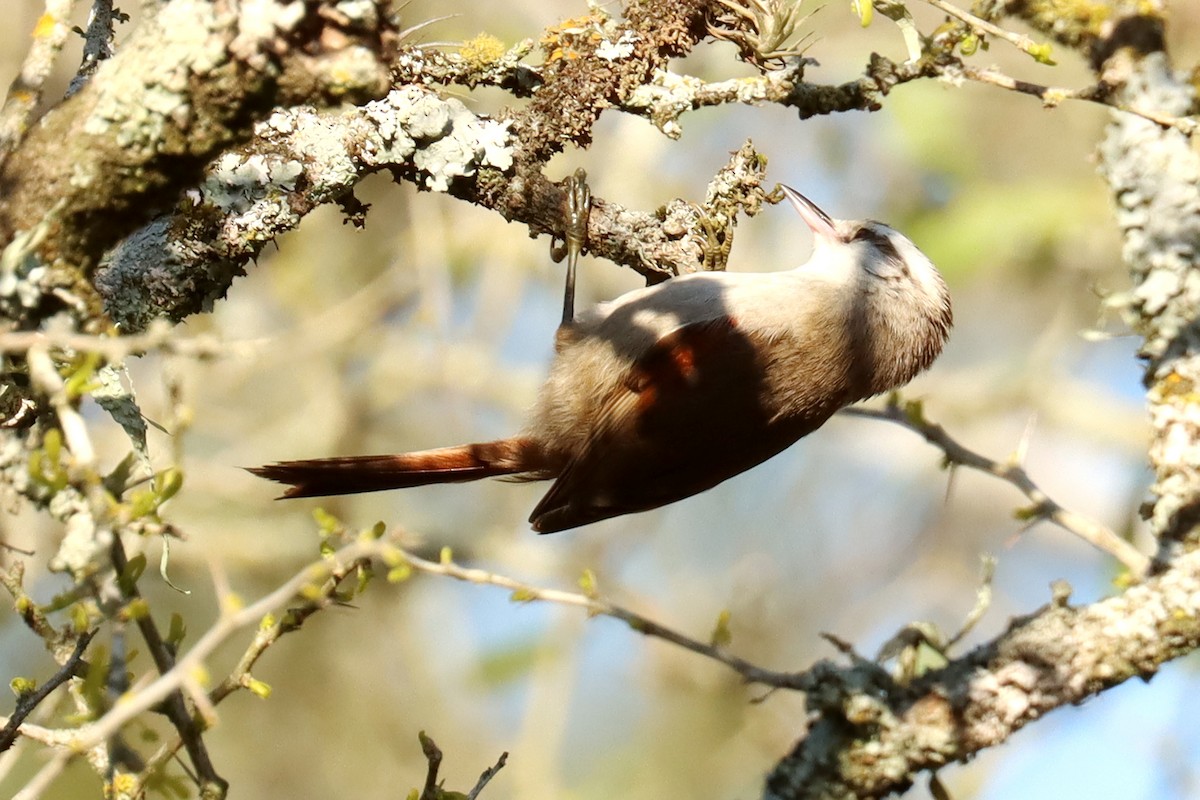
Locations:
433 755
49 35
159 336
97 42
1019 40
45 377
164 660
1099 93
240 676
596 605
232 619
45 776
487 776
1044 508
26 703
983 601
12 580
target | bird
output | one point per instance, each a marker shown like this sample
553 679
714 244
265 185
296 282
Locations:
671 389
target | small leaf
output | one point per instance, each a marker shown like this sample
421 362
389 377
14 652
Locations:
79 618
135 609
587 582
22 686
365 574
326 522
52 444
79 379
722 635
1029 513
446 556
258 688
167 483
127 580
143 503
914 412
392 556
176 630
1041 53
865 10
523 595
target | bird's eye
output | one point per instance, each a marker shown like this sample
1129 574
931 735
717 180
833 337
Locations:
869 234
880 241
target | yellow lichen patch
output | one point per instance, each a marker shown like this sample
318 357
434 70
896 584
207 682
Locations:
482 51
1074 18
566 39
1175 387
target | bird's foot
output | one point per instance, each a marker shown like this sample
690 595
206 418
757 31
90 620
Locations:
577 207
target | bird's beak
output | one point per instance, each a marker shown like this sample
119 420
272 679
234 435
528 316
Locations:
810 212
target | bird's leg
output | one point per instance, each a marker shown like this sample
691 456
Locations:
577 206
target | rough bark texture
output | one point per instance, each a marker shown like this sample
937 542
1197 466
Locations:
210 133
869 736
872 736
1155 178
187 85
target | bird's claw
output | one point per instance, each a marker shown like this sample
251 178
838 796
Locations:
577 207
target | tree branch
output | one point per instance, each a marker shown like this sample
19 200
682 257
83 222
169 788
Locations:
1011 471
27 702
26 90
1154 174
870 735
187 84
174 706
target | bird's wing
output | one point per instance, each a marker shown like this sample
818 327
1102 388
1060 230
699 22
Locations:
691 397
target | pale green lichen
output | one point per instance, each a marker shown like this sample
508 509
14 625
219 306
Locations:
427 117
141 95
448 140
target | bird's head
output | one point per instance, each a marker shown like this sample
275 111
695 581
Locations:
874 250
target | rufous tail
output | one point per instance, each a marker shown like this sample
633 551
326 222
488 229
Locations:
321 477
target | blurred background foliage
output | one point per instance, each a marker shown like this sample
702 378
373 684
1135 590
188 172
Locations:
434 326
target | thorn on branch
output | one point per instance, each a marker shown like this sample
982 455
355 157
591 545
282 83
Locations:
1043 508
